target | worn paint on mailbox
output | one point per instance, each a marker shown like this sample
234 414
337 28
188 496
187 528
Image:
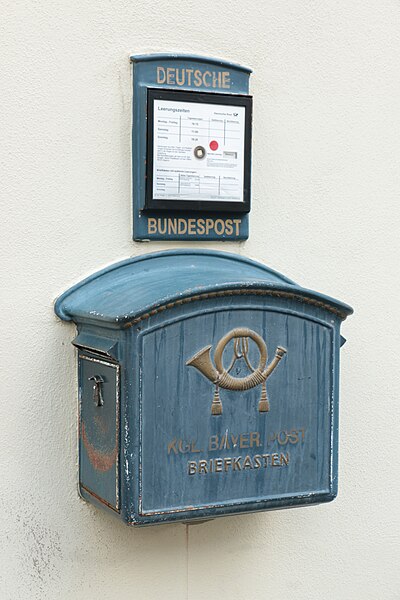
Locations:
228 387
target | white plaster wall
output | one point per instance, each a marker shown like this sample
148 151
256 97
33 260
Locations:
326 185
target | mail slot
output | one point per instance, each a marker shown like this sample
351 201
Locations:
208 386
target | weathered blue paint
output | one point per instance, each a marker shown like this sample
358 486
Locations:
99 429
144 77
143 319
166 57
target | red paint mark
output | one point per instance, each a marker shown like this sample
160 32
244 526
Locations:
100 460
214 145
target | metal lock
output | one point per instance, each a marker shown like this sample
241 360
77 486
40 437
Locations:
97 390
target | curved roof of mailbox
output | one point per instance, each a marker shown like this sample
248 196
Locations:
137 287
219 62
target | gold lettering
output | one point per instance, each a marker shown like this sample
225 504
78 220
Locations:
189 76
209 225
275 460
172 225
183 447
229 227
213 443
285 459
193 226
257 461
151 225
175 76
226 80
161 77
234 439
219 222
171 446
266 458
206 74
244 440
236 464
180 81
203 466
282 438
164 228
182 226
170 76
224 443
197 78
200 226
192 467
237 223
193 448
247 464
255 439
218 465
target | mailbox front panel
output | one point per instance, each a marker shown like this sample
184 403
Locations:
229 376
242 459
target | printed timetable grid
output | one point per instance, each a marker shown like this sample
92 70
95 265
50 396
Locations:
198 151
196 128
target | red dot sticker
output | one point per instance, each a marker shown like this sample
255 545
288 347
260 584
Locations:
214 145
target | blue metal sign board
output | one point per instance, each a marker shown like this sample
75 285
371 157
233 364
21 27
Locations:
191 167
208 386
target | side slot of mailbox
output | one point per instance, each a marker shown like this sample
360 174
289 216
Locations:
99 429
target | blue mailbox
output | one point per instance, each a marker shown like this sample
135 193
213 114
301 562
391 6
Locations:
208 386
